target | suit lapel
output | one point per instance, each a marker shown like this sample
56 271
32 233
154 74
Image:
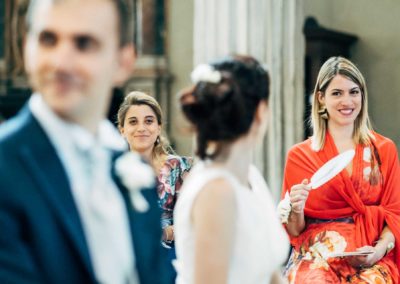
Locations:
125 195
40 159
137 223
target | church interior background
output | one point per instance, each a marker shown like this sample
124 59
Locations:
292 37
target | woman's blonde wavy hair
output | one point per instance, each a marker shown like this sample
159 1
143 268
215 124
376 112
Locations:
162 146
362 133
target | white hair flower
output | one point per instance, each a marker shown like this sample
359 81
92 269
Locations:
284 208
135 176
205 73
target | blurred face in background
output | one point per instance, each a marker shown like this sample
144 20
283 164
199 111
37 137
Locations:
141 128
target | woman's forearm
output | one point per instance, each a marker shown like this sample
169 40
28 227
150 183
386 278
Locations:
296 223
298 197
386 241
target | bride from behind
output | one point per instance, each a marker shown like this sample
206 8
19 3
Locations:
226 227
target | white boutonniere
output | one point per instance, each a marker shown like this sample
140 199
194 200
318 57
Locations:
284 208
205 73
135 175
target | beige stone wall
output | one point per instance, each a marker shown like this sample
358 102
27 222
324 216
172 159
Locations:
180 56
377 52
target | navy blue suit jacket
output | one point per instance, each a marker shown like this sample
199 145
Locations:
41 234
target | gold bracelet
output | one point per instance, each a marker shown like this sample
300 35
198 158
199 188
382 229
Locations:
389 247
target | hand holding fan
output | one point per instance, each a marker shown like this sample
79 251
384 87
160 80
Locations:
331 168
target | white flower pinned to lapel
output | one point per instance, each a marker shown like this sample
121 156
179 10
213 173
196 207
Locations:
284 208
135 175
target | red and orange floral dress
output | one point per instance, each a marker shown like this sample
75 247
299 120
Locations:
346 213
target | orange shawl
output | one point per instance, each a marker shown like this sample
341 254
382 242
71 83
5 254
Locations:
340 197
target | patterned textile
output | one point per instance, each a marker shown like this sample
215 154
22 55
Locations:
169 183
311 262
346 213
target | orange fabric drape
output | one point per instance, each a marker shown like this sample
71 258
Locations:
372 207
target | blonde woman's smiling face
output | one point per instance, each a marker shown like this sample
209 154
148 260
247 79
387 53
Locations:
343 101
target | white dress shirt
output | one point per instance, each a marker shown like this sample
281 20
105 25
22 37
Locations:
87 161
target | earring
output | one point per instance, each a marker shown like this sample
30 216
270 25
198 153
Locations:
323 112
158 140
211 148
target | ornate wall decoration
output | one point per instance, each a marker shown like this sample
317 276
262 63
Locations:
15 11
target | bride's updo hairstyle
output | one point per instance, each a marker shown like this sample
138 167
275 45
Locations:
222 103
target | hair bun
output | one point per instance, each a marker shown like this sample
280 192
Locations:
222 103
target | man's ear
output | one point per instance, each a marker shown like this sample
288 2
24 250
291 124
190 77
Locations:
126 62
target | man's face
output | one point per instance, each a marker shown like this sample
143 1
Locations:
73 57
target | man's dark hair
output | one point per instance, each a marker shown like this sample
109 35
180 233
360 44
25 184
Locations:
124 10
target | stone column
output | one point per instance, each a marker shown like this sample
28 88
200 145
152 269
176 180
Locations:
269 30
151 73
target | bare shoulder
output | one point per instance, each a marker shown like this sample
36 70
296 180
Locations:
217 189
217 196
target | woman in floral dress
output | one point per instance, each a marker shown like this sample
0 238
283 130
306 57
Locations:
359 209
140 122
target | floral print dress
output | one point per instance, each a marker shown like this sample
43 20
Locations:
170 180
311 262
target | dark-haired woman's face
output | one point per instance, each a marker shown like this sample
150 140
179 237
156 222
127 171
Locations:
141 128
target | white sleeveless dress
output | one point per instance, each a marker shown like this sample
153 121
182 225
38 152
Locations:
261 244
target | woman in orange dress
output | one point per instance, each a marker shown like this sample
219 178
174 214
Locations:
359 209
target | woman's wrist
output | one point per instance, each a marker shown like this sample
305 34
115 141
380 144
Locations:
386 241
380 248
384 246
296 216
389 247
168 234
296 223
